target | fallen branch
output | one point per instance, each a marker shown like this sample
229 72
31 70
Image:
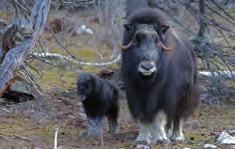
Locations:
20 138
226 74
71 59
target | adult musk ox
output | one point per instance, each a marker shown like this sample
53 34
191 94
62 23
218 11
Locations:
99 99
159 72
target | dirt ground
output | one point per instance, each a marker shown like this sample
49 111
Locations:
32 124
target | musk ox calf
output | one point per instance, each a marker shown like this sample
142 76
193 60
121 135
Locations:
99 99
159 72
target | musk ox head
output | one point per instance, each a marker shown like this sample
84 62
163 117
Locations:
85 83
146 43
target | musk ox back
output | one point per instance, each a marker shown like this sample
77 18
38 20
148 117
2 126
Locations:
99 99
159 72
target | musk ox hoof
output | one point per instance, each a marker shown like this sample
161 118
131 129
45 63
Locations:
112 128
144 135
162 141
94 127
142 146
94 132
143 139
177 137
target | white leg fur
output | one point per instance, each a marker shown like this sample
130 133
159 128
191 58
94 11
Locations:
177 134
158 128
169 133
144 135
94 126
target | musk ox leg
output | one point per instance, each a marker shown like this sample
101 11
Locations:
113 119
112 125
158 129
144 134
94 126
169 128
177 133
169 132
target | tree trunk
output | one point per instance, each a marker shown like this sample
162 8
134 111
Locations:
15 57
202 28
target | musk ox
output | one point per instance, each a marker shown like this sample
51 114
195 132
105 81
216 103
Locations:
99 99
159 73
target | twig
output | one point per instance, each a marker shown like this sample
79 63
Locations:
55 140
24 8
25 139
101 138
32 81
218 14
61 45
34 69
222 9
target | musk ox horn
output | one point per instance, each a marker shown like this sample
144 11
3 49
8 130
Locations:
165 48
125 47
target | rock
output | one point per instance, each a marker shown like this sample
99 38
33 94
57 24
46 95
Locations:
209 146
83 29
225 138
21 86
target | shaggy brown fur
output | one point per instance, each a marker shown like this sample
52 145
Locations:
172 88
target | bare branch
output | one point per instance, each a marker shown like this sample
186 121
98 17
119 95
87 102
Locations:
15 57
70 59
202 24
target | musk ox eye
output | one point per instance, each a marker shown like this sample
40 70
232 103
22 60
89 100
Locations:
129 27
164 28
157 39
139 36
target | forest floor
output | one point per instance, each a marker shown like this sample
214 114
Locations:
32 124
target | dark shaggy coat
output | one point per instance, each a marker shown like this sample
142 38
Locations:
173 89
99 98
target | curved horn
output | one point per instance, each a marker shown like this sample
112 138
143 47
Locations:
165 48
125 47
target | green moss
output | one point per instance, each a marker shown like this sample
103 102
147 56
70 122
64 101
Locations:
87 53
3 126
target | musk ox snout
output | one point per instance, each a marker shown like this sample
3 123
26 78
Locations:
82 97
81 93
147 68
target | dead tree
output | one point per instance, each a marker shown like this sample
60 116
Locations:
201 22
20 37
